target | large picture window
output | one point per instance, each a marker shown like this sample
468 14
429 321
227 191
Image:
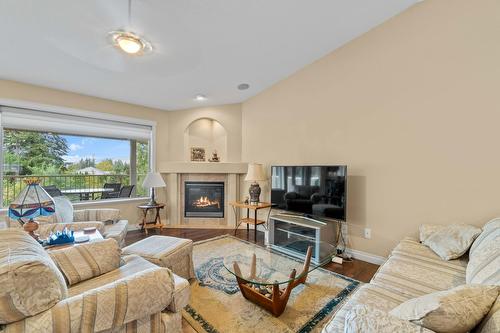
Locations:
80 164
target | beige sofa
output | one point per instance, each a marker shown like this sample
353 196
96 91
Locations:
106 220
137 296
413 270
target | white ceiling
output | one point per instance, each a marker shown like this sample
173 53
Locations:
200 46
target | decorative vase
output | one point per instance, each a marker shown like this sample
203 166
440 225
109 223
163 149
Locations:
30 227
254 192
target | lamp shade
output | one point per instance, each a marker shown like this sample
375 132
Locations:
153 179
31 202
255 173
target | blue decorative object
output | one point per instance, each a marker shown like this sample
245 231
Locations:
61 237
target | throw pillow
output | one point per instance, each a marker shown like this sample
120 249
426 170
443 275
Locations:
452 241
456 310
85 261
364 318
30 282
490 323
425 230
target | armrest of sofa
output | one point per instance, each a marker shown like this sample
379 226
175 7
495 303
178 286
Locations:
363 318
111 306
99 214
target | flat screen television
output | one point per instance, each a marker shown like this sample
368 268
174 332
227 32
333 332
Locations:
318 191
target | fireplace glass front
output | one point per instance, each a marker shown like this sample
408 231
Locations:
204 199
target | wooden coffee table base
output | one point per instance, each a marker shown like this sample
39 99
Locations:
276 300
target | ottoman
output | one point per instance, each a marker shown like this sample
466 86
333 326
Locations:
165 251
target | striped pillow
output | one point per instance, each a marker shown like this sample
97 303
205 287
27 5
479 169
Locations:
30 282
85 261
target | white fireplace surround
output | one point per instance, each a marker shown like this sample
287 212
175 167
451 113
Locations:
177 173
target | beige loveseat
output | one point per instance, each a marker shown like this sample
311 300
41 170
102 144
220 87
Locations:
38 295
413 270
106 220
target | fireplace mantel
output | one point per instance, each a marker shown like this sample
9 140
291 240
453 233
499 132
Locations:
203 167
177 173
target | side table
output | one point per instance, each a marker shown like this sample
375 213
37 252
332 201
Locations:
156 223
249 220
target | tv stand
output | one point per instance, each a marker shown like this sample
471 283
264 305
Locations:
293 234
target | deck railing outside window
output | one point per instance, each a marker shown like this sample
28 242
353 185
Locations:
13 184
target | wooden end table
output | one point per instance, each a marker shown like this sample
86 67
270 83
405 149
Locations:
156 223
248 220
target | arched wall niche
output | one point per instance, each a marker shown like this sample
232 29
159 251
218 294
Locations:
206 133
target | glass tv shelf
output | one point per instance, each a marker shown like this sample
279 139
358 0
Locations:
292 235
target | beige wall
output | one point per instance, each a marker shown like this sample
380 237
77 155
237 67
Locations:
35 94
229 116
413 109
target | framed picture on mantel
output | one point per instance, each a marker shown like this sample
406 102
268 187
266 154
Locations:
197 154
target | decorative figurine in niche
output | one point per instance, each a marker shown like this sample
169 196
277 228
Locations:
214 158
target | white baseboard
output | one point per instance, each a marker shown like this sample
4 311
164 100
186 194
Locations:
365 256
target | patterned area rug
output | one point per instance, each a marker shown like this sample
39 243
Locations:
217 305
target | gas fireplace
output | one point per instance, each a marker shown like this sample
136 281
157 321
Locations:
204 199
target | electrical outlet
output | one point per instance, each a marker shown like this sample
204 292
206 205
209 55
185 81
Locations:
368 233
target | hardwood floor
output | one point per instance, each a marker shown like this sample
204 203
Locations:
356 269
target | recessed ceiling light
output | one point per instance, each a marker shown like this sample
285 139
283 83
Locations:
130 43
200 97
243 86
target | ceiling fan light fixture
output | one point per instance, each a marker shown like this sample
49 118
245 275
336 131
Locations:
130 43
200 97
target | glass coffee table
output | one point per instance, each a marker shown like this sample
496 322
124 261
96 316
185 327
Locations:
266 277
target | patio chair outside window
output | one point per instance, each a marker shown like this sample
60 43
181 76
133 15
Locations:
112 194
126 191
52 190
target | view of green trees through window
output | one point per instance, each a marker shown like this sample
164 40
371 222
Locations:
82 168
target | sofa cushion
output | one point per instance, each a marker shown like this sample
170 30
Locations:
411 266
130 265
452 241
97 214
116 230
370 295
85 261
362 319
181 295
483 267
490 231
456 310
30 281
45 229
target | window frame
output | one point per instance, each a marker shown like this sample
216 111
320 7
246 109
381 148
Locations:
85 114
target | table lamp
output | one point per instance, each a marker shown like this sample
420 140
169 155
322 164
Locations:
152 181
255 173
33 201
